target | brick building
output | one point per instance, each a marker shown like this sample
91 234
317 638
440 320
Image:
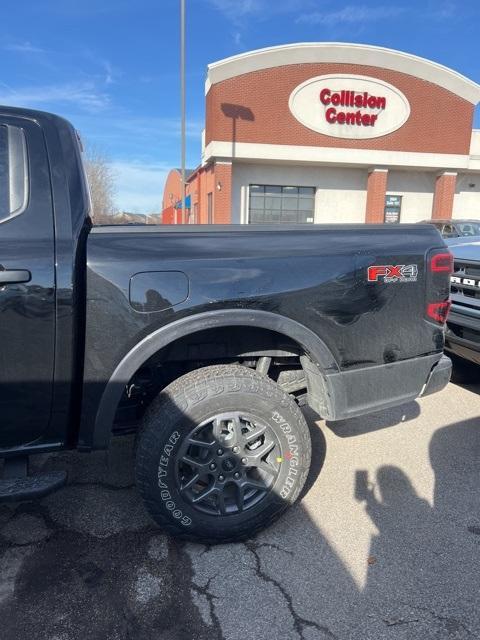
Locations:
326 132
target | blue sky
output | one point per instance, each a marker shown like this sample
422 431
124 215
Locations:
112 66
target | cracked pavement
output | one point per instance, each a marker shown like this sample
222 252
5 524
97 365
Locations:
384 545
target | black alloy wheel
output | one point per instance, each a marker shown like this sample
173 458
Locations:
222 453
228 463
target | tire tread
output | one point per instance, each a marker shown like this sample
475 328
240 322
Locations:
186 391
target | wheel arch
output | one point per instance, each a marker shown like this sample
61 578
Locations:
320 358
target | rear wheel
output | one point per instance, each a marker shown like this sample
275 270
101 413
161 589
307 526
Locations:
222 453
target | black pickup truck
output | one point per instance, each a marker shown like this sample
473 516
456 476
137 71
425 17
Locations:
204 340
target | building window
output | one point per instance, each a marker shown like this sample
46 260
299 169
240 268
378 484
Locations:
210 208
275 204
195 213
393 205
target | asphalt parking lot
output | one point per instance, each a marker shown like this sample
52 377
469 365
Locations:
385 544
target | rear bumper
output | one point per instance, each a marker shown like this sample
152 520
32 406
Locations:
439 377
369 389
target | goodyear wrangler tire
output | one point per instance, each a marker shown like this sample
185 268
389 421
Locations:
222 453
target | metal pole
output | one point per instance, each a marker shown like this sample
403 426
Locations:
182 91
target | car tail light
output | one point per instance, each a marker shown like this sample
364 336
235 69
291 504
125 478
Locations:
438 311
440 267
442 262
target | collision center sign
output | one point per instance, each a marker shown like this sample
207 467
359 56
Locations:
349 106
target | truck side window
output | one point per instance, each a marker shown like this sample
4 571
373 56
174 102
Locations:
13 172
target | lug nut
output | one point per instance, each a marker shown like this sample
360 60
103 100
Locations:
236 449
213 466
219 452
221 478
244 461
236 475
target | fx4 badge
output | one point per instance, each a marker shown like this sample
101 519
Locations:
393 273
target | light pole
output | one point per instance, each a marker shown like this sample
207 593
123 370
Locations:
182 99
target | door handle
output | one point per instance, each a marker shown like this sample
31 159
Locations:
14 276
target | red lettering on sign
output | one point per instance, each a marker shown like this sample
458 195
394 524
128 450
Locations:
325 96
330 115
347 98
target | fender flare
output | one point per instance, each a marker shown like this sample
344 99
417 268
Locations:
315 348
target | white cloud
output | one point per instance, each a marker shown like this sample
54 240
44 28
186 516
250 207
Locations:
85 95
23 47
146 127
102 69
235 9
238 11
111 72
445 10
350 14
139 185
136 135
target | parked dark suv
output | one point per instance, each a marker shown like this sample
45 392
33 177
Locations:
456 228
463 328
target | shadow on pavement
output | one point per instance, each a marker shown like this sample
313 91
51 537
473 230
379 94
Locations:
473 387
88 563
375 421
465 374
319 450
430 553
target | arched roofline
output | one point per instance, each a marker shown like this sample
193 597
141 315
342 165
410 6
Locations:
346 53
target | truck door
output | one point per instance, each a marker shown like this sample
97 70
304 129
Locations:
27 283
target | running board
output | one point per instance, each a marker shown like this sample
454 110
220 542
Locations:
17 485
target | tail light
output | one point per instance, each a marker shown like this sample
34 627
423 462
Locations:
438 311
442 262
440 268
